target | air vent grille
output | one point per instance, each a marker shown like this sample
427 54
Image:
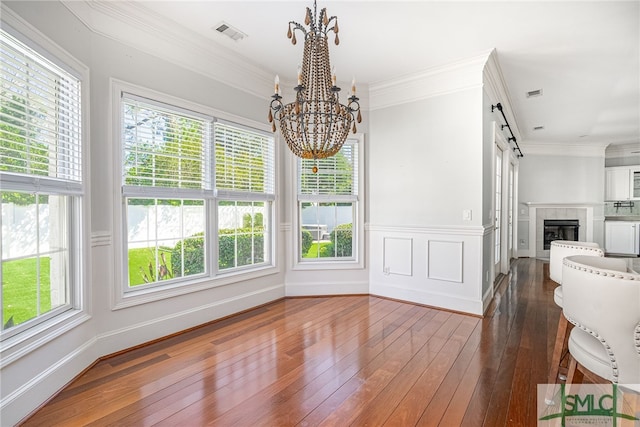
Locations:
229 31
532 93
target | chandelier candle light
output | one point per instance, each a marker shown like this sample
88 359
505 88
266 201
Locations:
315 125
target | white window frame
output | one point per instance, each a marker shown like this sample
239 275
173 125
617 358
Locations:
357 260
39 331
124 297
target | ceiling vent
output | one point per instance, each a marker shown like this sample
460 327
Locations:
229 31
538 127
533 93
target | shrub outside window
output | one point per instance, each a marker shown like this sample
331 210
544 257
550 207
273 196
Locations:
178 168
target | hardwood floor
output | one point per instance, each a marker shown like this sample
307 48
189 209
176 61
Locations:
332 361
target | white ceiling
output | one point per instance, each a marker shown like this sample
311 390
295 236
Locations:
583 55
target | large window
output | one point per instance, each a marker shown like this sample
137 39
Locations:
197 194
244 164
328 206
42 188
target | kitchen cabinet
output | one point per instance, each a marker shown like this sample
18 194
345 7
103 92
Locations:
617 183
622 183
622 237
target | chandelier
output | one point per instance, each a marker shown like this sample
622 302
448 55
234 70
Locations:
316 124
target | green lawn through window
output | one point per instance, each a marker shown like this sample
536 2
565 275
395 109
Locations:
19 289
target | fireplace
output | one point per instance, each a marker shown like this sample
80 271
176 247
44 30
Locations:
560 229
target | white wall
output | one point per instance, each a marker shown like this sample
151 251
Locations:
425 169
553 179
426 161
31 377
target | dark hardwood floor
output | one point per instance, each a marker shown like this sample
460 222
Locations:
332 361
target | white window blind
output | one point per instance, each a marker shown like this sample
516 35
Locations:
40 118
164 147
244 161
336 176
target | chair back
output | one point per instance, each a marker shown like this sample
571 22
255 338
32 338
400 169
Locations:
560 249
603 299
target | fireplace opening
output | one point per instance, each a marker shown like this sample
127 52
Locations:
560 229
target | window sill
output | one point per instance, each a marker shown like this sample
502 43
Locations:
327 265
148 295
33 338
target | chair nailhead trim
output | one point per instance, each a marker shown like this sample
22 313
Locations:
599 272
612 357
584 248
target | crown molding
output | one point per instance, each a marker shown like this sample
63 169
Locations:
454 77
132 24
623 150
564 149
496 88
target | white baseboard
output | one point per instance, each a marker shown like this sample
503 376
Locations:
25 399
133 335
486 299
437 300
324 288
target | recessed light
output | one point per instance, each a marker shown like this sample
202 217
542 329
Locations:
532 93
538 127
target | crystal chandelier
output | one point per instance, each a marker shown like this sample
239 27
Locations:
316 124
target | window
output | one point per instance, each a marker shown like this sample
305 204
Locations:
42 187
197 194
328 206
245 185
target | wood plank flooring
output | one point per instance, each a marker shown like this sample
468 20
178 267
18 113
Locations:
332 361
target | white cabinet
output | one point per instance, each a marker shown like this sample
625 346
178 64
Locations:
617 183
635 183
622 183
622 237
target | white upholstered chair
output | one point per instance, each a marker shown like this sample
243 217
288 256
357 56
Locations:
602 300
560 249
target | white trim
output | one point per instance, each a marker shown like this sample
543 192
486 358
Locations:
121 298
564 149
463 230
45 384
496 88
533 220
68 363
100 238
622 150
135 25
431 299
562 205
131 335
356 262
325 288
437 81
147 295
28 340
19 346
487 297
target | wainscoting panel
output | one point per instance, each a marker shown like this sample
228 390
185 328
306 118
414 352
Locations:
436 266
397 256
444 260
